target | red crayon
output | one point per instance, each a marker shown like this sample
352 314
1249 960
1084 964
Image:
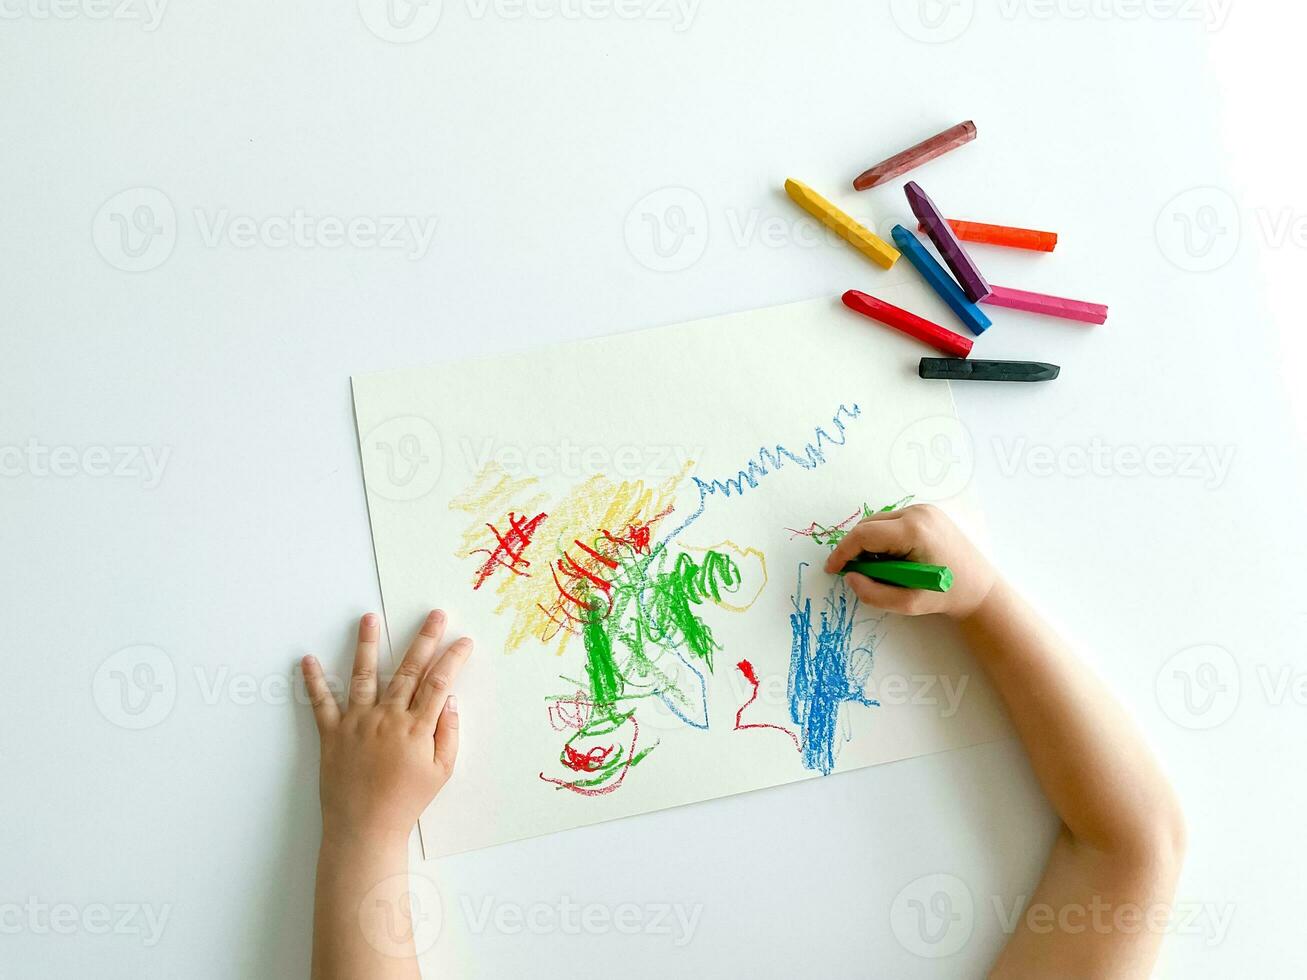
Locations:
933 334
983 234
915 156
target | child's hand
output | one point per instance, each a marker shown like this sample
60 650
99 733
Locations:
922 534
384 759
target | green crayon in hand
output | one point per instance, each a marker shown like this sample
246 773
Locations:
907 574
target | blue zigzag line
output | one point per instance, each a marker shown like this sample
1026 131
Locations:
768 461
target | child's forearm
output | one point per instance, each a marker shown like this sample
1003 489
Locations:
1090 760
361 916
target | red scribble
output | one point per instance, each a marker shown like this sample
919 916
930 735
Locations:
602 559
512 544
746 668
580 572
580 583
814 529
610 787
639 535
570 713
591 761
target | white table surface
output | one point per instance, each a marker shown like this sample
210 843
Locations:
532 139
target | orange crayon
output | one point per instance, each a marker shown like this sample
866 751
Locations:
983 234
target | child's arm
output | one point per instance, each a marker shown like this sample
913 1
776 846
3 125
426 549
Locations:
383 760
1114 866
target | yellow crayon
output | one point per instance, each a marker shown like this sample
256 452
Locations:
869 244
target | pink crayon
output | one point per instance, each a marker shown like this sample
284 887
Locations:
1067 309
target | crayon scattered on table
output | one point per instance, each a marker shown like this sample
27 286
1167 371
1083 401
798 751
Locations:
914 157
983 234
865 241
971 315
964 269
906 574
958 369
1066 309
946 341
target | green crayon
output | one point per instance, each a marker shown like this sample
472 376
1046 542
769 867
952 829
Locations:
907 574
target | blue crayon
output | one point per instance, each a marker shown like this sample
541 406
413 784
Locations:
949 291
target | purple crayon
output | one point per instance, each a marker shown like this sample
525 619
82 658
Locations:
932 220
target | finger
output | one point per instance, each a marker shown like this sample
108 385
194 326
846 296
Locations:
325 710
447 738
439 682
890 536
405 682
882 515
363 680
891 598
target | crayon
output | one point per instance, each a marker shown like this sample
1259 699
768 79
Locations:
907 574
958 369
933 334
914 157
964 269
983 234
869 244
1066 309
971 315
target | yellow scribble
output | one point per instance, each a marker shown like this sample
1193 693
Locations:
744 555
570 547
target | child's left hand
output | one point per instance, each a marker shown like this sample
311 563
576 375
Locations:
385 759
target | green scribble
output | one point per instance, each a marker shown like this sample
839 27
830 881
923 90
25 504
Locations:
605 682
831 536
649 610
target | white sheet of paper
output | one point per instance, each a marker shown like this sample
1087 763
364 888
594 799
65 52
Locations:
722 436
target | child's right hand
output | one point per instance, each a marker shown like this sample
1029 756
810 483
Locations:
924 534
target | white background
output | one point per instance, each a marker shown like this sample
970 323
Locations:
533 140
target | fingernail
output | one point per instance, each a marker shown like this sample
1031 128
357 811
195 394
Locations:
370 619
309 661
435 616
452 704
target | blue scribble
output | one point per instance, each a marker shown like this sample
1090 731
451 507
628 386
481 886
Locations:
768 461
826 671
